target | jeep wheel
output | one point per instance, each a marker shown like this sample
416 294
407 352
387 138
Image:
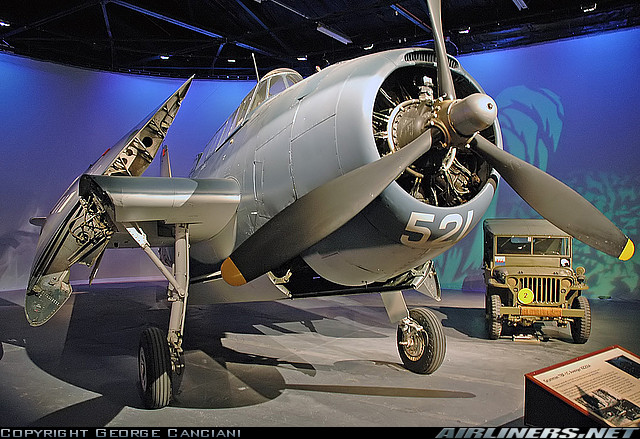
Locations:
494 324
581 327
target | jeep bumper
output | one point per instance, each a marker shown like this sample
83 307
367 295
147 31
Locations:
541 311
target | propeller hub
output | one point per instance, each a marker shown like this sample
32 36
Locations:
472 114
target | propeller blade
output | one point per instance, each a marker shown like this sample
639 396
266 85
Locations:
556 202
317 214
445 80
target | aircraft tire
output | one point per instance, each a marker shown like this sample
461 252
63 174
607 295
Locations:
581 327
154 366
494 325
426 348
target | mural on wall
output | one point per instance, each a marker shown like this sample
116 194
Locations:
531 123
617 195
551 108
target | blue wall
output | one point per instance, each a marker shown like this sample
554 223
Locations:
569 107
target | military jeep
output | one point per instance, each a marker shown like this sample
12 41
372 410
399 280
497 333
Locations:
529 278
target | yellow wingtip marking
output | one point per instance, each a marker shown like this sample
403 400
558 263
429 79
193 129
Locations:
628 251
231 274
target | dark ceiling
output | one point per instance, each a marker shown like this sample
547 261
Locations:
220 38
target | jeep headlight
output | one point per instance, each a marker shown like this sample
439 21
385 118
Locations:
580 271
565 285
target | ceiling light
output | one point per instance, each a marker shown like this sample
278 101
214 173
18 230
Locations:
231 60
302 58
589 8
334 34
4 23
369 47
164 57
520 4
464 31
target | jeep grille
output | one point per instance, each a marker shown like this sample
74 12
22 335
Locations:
546 290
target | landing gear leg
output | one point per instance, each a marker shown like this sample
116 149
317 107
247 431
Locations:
178 298
161 358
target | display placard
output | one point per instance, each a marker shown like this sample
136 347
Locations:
601 388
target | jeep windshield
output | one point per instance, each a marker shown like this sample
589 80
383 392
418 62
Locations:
527 245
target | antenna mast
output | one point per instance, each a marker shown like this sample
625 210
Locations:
255 66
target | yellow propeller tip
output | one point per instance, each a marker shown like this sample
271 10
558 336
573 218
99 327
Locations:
628 251
231 274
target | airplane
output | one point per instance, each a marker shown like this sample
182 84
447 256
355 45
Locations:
348 181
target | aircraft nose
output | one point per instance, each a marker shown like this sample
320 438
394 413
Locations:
473 113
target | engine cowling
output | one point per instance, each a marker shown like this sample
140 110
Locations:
432 205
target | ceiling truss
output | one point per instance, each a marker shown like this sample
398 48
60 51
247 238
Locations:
230 38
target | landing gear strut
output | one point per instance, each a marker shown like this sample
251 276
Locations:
160 357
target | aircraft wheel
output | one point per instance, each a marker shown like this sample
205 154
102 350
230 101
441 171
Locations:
581 327
422 349
154 366
494 325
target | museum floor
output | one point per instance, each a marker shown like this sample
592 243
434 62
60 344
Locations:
309 362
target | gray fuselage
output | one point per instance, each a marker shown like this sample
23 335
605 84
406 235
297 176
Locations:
316 130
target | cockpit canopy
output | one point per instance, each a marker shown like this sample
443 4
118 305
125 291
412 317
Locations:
269 85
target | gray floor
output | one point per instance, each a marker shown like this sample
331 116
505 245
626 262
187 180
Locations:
311 362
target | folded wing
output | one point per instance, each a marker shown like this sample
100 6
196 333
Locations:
72 233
